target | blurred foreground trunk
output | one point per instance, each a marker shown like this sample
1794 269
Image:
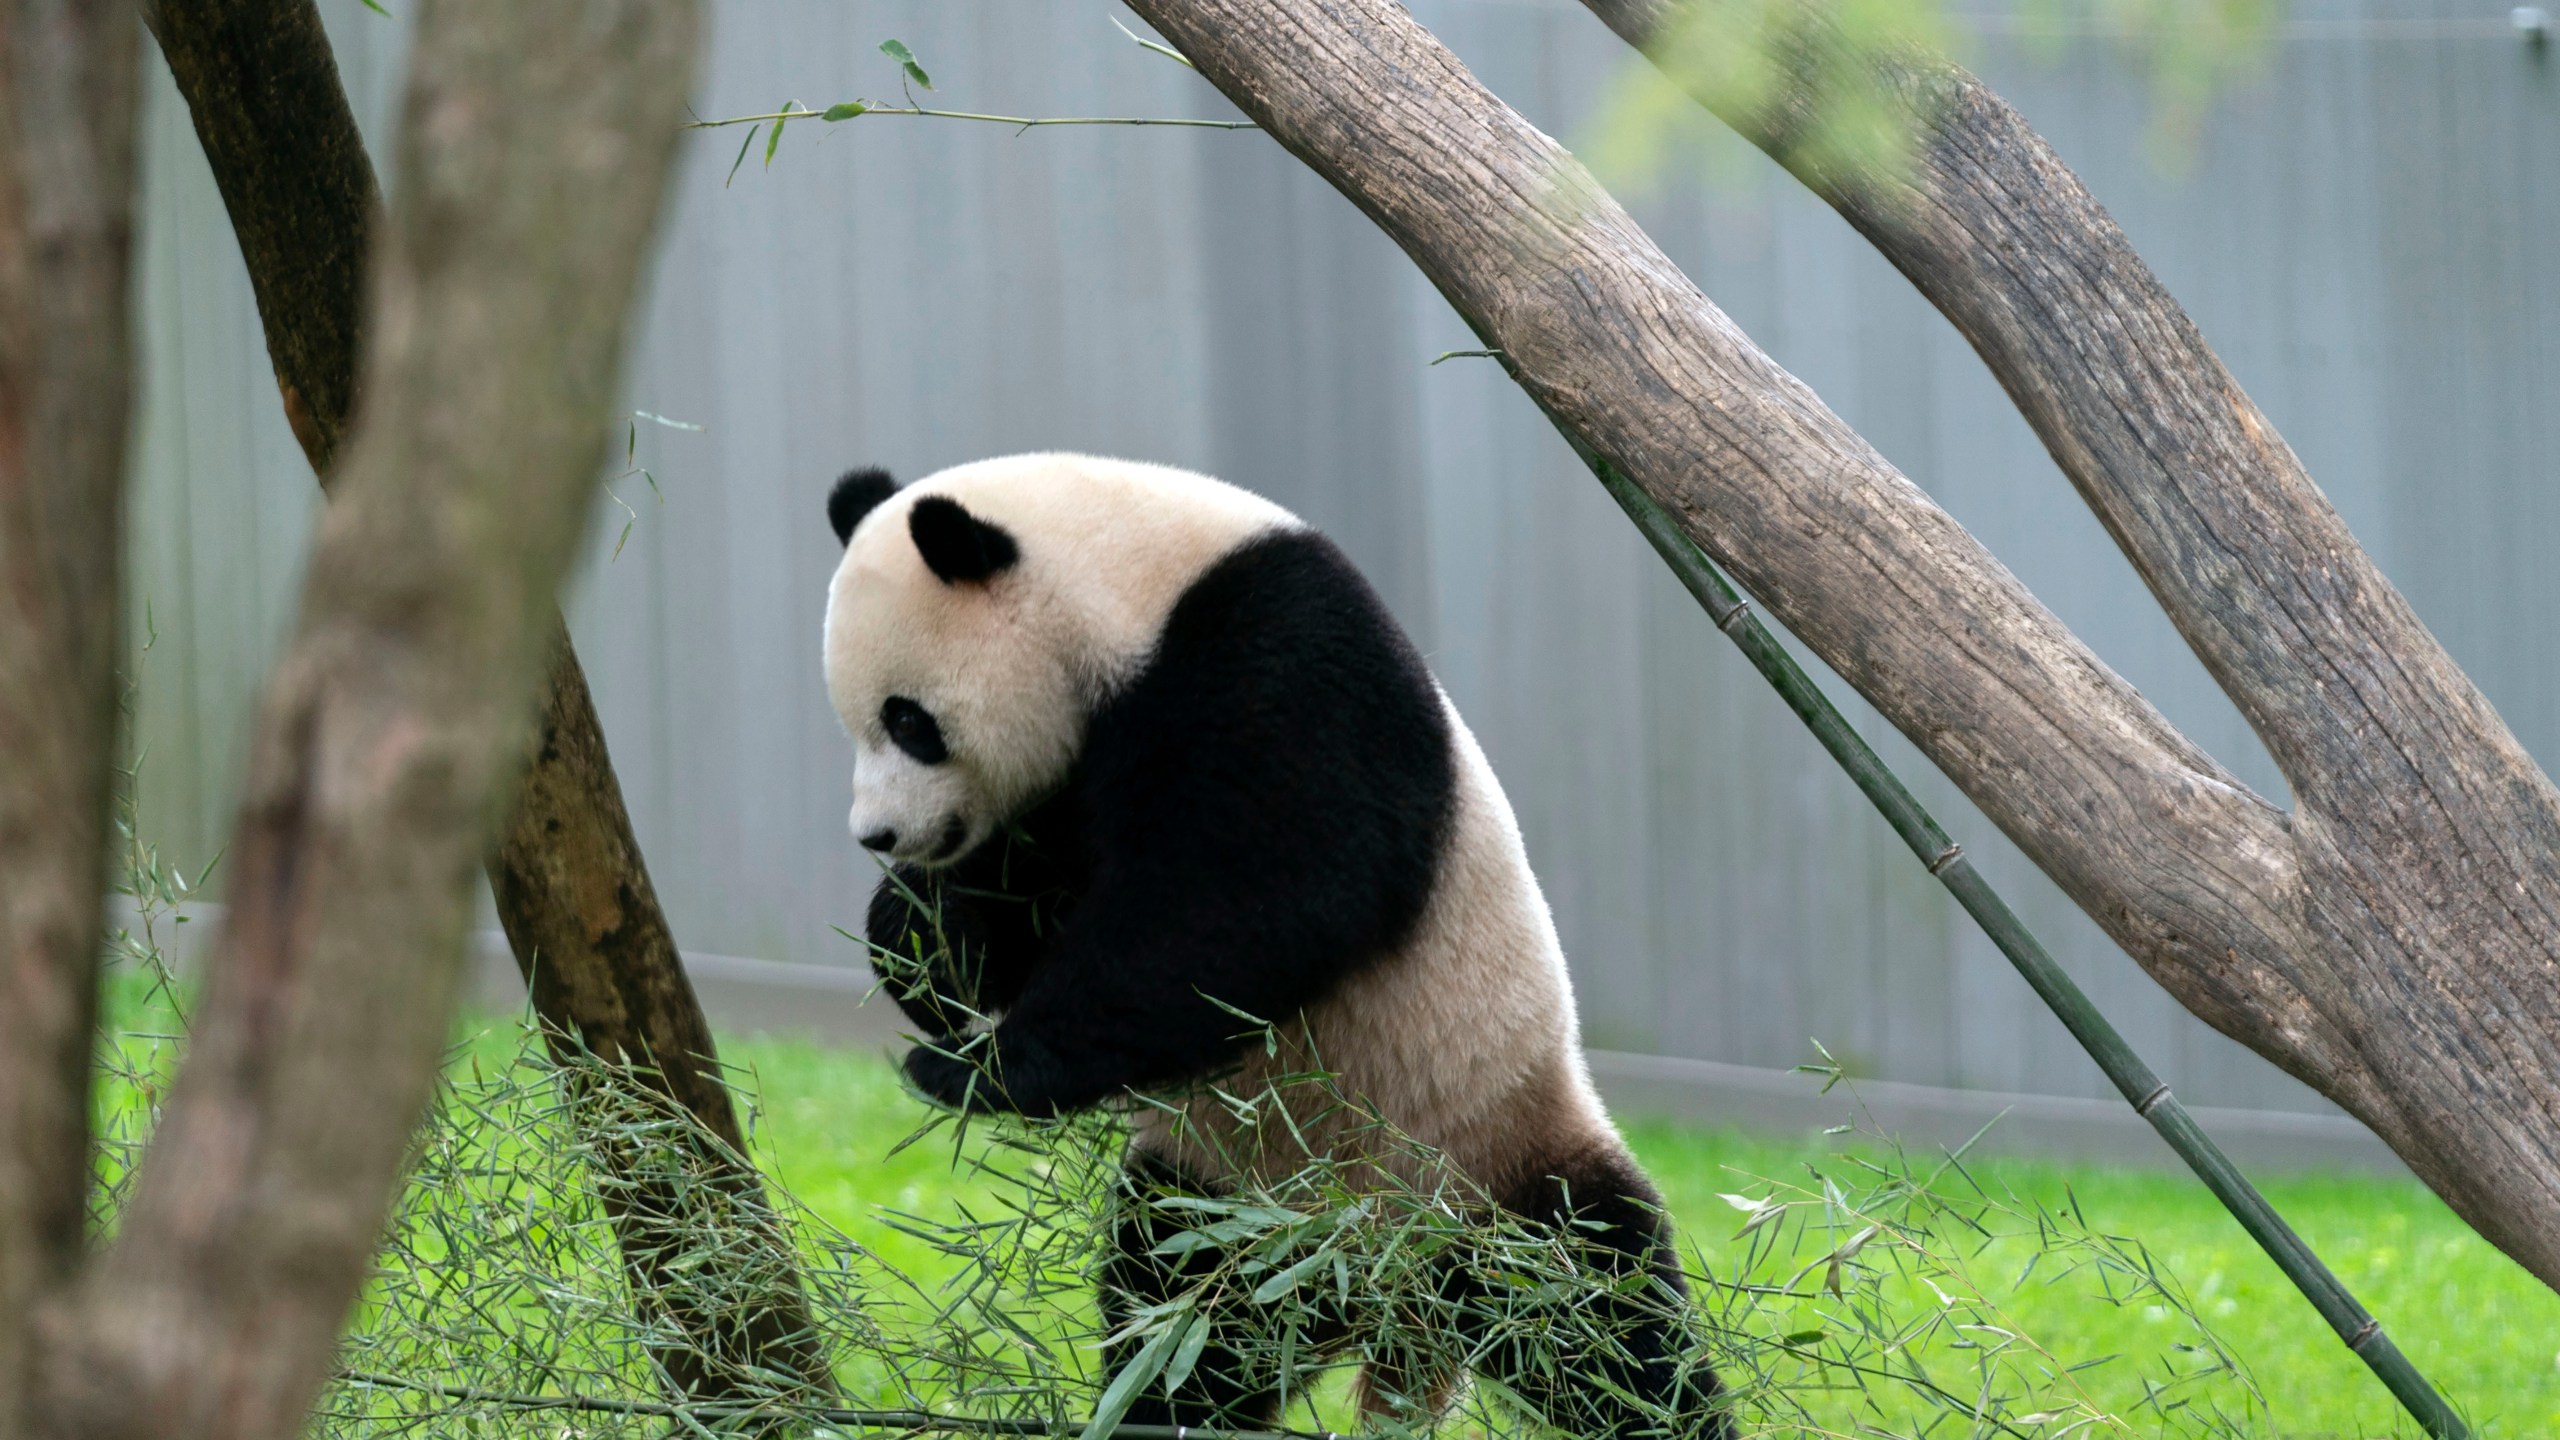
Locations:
391 729
571 886
66 188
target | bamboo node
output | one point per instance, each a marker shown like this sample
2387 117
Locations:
2158 1093
1953 853
1734 617
2364 1334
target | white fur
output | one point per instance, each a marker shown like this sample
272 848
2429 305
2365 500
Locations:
1011 667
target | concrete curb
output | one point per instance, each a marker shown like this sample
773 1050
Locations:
826 1003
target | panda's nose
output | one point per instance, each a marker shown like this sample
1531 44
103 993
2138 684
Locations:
881 839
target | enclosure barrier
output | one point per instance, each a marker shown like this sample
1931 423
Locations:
2142 1089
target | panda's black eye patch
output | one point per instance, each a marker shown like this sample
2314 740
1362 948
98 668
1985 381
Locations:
912 728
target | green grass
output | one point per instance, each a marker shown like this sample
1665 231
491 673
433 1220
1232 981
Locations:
2474 1322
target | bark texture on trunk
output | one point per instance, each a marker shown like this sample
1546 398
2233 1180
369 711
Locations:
571 885
2427 840
262 87
66 188
2175 857
394 722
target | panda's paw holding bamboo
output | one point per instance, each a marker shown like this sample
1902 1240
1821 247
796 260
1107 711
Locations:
978 1075
948 1072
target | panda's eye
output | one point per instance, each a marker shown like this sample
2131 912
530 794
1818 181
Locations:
911 728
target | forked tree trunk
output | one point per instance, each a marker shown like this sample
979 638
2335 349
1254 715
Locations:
571 886
2392 941
2426 837
392 725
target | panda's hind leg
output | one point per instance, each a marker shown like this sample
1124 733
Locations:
1641 1334
1234 1385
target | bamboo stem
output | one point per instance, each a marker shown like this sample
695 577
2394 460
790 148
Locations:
854 109
2142 1088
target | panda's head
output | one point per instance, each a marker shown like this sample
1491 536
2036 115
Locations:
983 614
960 689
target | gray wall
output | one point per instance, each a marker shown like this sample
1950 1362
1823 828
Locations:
2365 230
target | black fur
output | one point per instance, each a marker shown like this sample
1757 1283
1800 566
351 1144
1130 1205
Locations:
1262 812
958 547
1231 1386
996 911
857 493
1606 1203
1602 1201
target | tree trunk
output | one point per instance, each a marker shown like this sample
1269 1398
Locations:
2390 942
393 723
2427 839
66 188
572 888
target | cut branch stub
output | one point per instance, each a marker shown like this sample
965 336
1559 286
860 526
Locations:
2427 839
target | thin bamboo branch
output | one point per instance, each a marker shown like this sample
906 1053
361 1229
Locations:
854 109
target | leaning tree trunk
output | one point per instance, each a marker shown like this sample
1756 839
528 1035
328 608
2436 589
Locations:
66 189
2391 942
2427 839
571 886
392 725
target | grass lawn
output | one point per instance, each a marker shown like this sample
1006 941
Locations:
2482 1329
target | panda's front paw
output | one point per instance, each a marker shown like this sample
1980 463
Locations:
982 1075
949 1075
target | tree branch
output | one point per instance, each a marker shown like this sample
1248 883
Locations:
2428 839
392 723
2172 855
572 888
66 188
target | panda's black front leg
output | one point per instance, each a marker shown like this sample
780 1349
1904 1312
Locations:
953 944
1134 996
930 946
1017 1074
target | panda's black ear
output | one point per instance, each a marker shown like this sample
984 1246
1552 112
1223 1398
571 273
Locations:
956 545
856 492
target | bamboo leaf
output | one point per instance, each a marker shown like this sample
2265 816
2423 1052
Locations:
1133 1377
773 140
1287 1280
898 51
1195 1338
742 154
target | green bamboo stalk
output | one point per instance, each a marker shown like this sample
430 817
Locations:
2142 1088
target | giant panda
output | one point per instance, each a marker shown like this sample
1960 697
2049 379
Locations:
1149 753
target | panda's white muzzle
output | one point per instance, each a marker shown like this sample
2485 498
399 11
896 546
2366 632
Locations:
907 811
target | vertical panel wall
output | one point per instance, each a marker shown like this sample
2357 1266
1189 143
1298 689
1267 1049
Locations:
2365 231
